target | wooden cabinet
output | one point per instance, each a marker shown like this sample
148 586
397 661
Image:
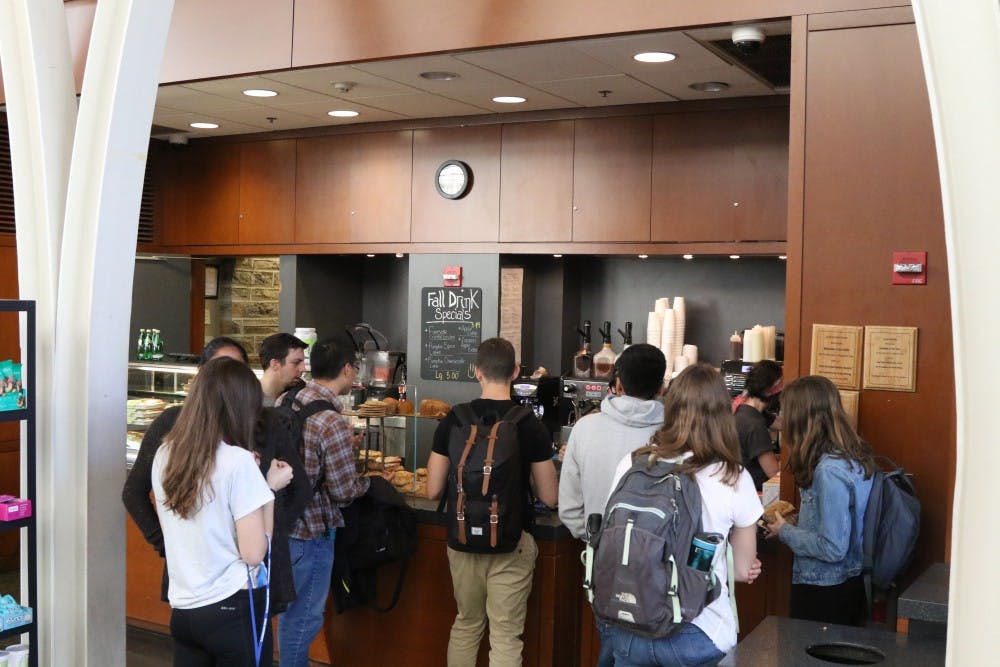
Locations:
536 182
226 194
720 176
201 191
611 183
474 217
354 188
267 191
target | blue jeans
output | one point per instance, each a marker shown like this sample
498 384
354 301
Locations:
688 647
312 564
606 656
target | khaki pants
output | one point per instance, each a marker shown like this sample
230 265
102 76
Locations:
494 586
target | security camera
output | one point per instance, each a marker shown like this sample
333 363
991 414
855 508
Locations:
344 86
177 140
748 39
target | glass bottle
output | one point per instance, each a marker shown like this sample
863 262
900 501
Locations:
140 345
583 360
604 361
156 349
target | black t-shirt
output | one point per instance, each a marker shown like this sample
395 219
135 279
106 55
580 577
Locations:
534 438
755 440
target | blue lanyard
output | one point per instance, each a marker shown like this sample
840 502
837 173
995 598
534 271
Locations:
263 579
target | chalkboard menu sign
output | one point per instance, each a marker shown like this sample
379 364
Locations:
450 332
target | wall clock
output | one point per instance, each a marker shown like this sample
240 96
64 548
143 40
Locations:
453 179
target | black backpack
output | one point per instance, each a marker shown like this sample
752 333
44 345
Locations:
296 417
640 576
486 496
891 526
379 528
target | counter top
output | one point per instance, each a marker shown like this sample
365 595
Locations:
547 525
926 599
783 641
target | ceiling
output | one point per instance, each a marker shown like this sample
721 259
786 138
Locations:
563 75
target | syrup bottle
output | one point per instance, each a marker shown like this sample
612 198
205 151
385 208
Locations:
604 361
627 338
583 360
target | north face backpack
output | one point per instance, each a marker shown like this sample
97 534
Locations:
640 576
891 526
486 495
379 528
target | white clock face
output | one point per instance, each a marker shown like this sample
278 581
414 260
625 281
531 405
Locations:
451 179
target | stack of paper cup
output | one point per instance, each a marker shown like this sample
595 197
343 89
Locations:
690 352
753 343
667 338
680 317
654 328
662 304
17 655
4 659
680 363
769 338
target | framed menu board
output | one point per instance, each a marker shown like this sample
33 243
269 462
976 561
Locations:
451 329
836 354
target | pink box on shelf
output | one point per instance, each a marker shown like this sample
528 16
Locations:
12 509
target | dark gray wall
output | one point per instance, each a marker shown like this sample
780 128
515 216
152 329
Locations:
328 292
720 295
384 297
161 299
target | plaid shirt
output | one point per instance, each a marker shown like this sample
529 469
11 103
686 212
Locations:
327 454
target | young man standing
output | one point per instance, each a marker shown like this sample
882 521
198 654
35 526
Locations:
495 585
599 441
283 357
328 459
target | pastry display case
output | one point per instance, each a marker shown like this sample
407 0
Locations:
152 388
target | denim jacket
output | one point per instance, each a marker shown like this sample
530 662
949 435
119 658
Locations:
827 540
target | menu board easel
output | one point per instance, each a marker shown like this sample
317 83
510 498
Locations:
451 329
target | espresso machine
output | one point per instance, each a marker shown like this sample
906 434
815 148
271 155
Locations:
581 396
379 368
541 395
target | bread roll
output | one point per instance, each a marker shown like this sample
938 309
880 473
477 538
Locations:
421 473
404 407
782 507
431 407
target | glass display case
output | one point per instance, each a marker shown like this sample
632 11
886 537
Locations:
152 388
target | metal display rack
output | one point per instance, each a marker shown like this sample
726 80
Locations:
29 524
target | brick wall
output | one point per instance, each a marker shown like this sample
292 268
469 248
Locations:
248 300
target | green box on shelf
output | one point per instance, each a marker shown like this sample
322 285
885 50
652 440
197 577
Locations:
11 386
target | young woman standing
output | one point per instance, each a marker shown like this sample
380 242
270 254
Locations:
699 433
833 469
216 511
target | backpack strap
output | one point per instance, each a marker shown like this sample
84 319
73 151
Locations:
460 504
304 412
488 461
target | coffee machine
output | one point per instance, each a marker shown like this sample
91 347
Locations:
379 368
580 398
542 396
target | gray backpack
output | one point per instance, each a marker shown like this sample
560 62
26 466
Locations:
640 578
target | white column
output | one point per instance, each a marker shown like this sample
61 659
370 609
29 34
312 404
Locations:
87 244
960 45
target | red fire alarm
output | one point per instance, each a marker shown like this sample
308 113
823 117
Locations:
909 268
452 276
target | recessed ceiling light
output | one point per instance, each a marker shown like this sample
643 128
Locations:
782 256
205 126
734 257
342 113
643 256
400 255
439 76
709 86
654 57
371 254
260 92
688 256
557 255
508 99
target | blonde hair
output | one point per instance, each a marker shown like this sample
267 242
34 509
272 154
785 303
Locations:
697 418
222 406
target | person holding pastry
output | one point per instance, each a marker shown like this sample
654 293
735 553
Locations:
833 469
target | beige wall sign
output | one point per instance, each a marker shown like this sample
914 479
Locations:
836 354
850 400
891 358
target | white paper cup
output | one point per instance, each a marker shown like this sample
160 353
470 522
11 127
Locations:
4 659
18 655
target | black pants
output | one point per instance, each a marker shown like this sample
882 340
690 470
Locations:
843 604
219 634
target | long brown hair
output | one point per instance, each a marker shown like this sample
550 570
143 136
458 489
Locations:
697 419
223 405
814 424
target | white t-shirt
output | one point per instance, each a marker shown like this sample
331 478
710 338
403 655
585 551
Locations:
203 559
722 508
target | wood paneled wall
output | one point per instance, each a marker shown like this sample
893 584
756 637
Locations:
10 432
